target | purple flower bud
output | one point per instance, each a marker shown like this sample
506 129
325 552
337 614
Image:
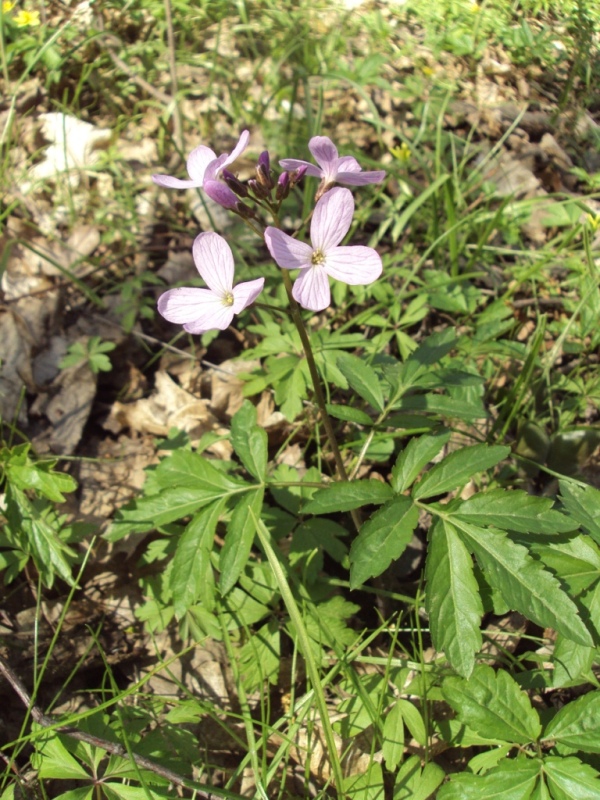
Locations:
297 175
283 186
234 184
258 190
264 160
221 194
263 171
244 211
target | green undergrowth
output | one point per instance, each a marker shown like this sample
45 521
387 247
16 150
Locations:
428 627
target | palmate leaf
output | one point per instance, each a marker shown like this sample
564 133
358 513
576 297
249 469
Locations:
569 778
515 511
416 455
457 468
577 724
523 582
511 780
239 538
493 705
382 539
452 598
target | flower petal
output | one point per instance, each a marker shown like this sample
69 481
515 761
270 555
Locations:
311 289
198 161
360 178
216 317
332 218
354 265
288 253
325 153
238 149
348 164
187 304
244 294
290 164
221 194
174 183
214 262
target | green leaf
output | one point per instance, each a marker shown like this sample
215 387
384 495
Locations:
260 656
239 539
414 721
584 505
577 724
349 414
365 786
382 539
456 469
514 511
569 778
348 495
414 783
249 441
393 737
484 762
416 455
192 570
512 780
363 379
523 582
55 761
493 705
452 598
434 403
572 662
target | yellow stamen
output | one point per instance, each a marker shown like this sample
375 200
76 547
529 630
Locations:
317 258
228 299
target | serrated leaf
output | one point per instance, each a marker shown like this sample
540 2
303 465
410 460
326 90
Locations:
362 379
514 511
415 456
55 761
382 539
348 495
239 539
349 414
484 762
260 656
577 724
249 441
572 662
457 468
523 582
414 783
493 705
512 780
393 737
192 569
569 778
452 598
583 503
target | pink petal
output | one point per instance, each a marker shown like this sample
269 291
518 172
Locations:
198 161
244 294
214 262
238 149
324 151
221 194
174 183
348 164
290 164
215 318
288 253
215 167
354 265
332 218
311 289
188 304
360 178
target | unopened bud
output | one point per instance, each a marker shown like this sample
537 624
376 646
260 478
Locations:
283 186
234 183
244 211
297 175
263 171
259 190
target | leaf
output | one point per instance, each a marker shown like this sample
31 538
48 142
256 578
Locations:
569 778
382 539
514 511
249 441
493 705
349 414
572 662
414 721
484 762
192 569
512 780
239 539
416 455
456 469
363 379
348 495
414 783
393 737
57 762
260 656
584 505
452 598
365 786
523 582
577 724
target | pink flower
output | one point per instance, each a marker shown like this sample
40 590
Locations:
333 168
201 310
203 166
330 223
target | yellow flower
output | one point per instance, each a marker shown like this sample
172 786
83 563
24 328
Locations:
475 8
7 6
593 220
27 19
402 153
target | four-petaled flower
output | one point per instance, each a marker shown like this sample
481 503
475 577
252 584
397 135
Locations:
204 169
201 310
333 168
27 19
330 223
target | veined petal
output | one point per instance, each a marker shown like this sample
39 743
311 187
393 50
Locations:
198 161
332 218
216 317
174 183
311 289
324 151
238 149
348 164
187 304
352 178
221 194
290 164
288 253
215 167
354 264
214 262
244 294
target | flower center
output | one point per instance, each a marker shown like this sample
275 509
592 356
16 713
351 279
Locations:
227 299
318 258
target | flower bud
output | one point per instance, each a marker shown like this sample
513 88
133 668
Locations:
283 186
244 211
259 190
234 183
297 175
263 171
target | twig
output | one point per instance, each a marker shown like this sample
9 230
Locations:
114 748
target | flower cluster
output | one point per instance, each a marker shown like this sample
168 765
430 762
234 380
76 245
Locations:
200 310
23 18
